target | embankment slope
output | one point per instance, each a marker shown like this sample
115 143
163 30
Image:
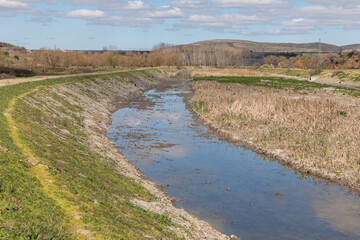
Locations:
61 178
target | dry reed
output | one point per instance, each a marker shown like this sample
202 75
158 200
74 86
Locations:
227 72
318 131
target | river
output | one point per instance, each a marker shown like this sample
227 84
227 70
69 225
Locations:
234 189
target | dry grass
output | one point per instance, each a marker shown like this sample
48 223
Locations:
228 72
318 131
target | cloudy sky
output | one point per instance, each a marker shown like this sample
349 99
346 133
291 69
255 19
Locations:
92 24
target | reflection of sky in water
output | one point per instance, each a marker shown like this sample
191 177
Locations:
249 209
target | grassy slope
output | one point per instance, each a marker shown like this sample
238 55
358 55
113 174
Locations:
58 188
309 124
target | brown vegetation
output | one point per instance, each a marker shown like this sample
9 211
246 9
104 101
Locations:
316 131
345 60
207 53
58 58
227 72
56 61
202 55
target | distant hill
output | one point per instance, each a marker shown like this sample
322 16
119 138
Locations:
3 44
271 47
351 47
240 52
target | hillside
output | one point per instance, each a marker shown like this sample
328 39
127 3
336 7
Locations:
3 44
270 47
351 47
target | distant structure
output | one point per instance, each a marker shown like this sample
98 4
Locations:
113 48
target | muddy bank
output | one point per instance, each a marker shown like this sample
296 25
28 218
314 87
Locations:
98 99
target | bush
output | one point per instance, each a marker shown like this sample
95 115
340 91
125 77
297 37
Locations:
336 73
315 71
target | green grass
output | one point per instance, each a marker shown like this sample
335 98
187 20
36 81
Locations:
273 82
284 71
39 202
352 76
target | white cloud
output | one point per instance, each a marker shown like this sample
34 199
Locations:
112 4
300 24
85 13
125 21
249 3
9 4
135 5
48 1
337 2
276 15
121 5
165 12
201 18
227 21
189 4
329 16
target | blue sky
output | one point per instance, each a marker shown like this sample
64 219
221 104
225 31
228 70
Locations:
93 24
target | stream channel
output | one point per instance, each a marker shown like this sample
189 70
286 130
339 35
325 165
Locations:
232 188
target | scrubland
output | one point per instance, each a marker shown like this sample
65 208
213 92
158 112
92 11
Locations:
313 127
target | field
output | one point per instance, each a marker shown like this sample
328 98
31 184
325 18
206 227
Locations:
314 127
327 75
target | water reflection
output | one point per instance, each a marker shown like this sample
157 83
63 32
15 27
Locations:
234 189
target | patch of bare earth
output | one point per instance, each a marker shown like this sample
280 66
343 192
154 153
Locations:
316 132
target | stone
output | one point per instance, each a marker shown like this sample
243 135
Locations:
233 237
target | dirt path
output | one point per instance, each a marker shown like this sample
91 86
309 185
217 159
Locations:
14 81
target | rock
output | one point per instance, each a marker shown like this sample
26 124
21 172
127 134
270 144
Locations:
64 132
342 233
233 237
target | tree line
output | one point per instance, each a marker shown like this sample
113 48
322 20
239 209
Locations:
344 60
168 55
208 55
58 58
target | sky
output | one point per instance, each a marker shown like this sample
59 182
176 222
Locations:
140 24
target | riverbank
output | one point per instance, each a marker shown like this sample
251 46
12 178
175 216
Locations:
59 170
313 128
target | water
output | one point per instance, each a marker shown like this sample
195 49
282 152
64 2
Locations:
232 188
